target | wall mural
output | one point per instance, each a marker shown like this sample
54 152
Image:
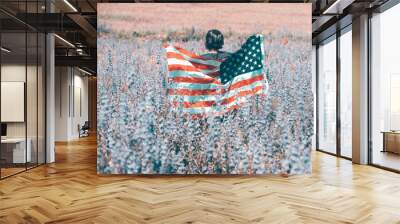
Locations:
204 88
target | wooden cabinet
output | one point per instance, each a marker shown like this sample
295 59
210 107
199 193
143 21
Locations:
391 142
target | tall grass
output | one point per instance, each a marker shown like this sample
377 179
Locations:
139 134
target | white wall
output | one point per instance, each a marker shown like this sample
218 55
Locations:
79 117
62 82
70 83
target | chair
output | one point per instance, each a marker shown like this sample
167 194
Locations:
84 130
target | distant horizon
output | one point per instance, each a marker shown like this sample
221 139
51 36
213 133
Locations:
160 17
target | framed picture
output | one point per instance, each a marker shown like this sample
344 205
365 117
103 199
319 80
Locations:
204 88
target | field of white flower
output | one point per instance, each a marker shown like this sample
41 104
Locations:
139 134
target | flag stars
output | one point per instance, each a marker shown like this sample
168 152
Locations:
247 59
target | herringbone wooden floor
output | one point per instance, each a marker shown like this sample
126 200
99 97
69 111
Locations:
70 191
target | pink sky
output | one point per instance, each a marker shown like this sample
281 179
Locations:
240 17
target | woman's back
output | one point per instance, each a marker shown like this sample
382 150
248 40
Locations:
220 55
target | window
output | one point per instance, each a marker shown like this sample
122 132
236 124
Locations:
22 77
346 93
385 89
327 96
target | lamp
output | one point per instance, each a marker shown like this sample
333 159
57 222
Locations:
84 71
64 40
5 50
337 7
70 5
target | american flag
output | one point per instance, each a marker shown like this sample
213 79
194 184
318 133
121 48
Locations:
201 87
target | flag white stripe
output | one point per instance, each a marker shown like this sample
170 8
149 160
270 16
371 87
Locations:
217 98
193 99
200 61
179 73
198 86
174 61
245 76
217 108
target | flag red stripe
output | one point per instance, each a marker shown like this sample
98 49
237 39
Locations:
198 104
188 92
192 68
183 60
239 84
186 68
243 83
192 92
241 94
213 103
198 65
194 80
175 55
199 116
188 53
213 74
203 66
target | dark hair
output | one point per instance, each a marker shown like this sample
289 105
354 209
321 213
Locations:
214 40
